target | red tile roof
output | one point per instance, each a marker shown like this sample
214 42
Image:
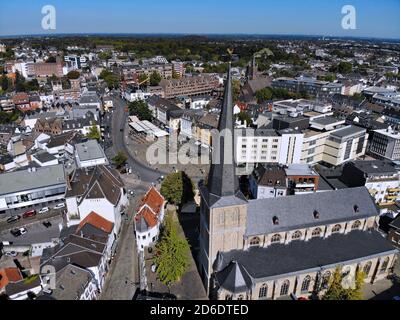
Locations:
148 216
96 221
154 200
8 275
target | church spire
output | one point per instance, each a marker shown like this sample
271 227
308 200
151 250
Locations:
222 180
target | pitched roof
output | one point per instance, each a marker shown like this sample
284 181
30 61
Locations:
8 275
298 256
97 221
234 278
222 178
148 217
297 212
153 199
94 183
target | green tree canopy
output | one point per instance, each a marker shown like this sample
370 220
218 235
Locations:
94 133
177 188
172 253
110 78
74 74
263 95
140 109
337 292
120 159
155 78
244 116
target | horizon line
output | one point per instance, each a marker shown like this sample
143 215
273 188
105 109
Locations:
197 34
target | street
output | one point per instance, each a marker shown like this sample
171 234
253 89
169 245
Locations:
119 121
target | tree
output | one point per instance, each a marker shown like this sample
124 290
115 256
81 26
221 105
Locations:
110 78
244 117
143 78
72 75
172 253
263 95
177 188
4 83
120 159
94 133
336 290
140 109
155 78
236 89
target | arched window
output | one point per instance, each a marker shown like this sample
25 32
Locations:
240 297
367 268
337 228
255 241
228 297
305 287
285 288
276 238
317 232
385 264
263 291
356 225
297 235
325 280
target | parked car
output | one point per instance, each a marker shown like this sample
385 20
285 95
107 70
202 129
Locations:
29 214
47 224
18 232
59 206
44 210
13 219
12 254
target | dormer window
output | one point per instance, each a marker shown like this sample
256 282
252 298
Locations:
316 214
275 220
356 209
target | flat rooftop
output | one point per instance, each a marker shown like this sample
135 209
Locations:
89 150
23 180
348 131
299 169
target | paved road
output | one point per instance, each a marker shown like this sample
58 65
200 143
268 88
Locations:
119 120
123 274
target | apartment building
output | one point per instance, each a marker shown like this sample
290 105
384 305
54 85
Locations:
386 144
189 86
269 146
76 62
381 178
309 85
334 147
178 68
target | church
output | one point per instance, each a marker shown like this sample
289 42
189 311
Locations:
268 249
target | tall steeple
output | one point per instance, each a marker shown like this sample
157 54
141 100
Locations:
222 180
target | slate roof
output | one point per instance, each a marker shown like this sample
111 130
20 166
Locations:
234 278
71 282
299 256
297 212
95 183
222 178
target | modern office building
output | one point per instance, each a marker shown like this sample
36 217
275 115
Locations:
309 85
386 144
31 188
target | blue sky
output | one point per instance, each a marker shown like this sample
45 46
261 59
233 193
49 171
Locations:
309 17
